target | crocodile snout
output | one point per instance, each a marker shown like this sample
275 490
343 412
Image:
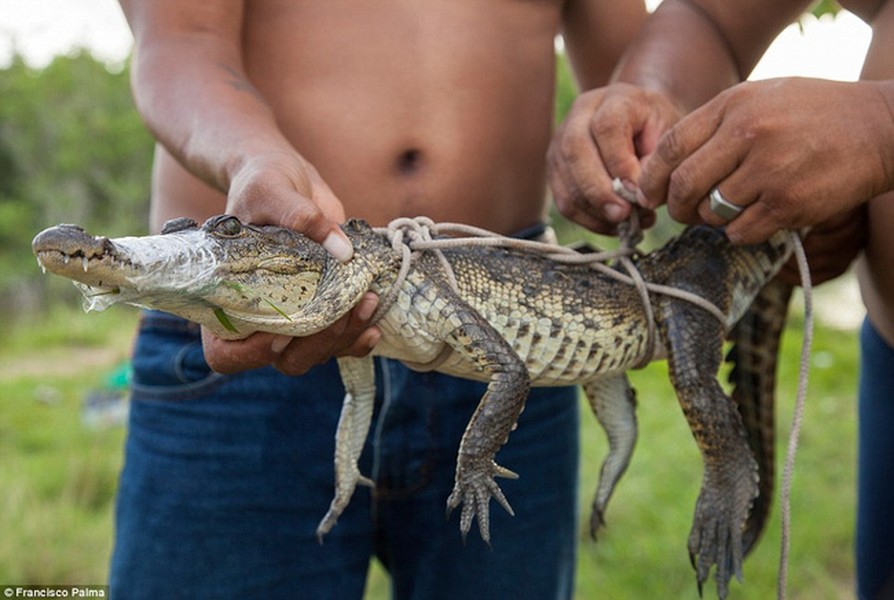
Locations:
70 240
60 247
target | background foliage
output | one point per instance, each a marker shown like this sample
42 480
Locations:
72 149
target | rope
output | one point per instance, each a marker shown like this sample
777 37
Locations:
631 235
411 236
797 417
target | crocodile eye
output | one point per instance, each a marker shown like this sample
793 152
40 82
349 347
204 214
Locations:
228 227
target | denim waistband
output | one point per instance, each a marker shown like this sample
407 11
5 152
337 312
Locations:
534 232
158 319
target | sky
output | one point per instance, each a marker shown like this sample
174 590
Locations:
40 29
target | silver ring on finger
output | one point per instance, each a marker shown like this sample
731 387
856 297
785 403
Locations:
722 207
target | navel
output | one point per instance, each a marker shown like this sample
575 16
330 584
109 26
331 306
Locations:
409 161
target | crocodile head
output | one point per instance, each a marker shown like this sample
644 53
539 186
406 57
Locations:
232 277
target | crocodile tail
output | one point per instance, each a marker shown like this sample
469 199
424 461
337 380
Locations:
753 354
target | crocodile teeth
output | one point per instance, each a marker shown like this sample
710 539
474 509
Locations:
40 264
84 263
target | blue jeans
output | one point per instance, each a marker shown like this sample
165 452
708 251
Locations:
226 478
875 488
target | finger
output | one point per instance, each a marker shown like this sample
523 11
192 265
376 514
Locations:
582 205
755 225
713 165
306 352
347 336
662 178
335 241
743 185
234 356
292 196
365 343
823 268
647 217
307 218
831 247
614 137
582 189
719 217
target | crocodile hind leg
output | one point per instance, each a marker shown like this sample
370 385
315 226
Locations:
475 339
358 376
729 483
614 403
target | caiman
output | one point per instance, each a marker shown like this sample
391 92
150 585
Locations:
510 317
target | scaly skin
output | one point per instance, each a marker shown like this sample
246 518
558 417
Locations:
755 345
515 319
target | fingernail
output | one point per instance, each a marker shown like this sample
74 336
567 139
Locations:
339 247
613 213
279 343
367 307
642 200
625 189
374 337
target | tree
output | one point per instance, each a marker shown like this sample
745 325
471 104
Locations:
72 149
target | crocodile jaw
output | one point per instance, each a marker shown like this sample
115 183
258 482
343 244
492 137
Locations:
136 270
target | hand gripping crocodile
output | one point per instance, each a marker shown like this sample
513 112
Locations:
510 317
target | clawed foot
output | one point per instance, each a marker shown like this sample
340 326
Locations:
474 488
597 520
716 536
344 489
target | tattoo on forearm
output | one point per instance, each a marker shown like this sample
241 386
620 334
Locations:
238 82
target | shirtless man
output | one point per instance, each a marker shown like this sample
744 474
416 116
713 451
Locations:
785 154
300 114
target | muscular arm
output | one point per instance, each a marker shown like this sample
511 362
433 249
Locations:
192 91
692 49
596 32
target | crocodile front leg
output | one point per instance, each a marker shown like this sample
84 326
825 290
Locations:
729 484
496 415
614 403
358 376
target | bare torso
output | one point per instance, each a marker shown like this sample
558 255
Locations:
447 114
875 268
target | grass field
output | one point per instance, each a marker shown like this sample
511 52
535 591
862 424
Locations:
58 475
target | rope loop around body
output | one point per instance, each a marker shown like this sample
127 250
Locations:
411 236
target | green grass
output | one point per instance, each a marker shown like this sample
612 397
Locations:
642 553
57 475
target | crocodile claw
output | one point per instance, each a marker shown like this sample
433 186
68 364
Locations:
340 502
716 535
597 520
474 488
